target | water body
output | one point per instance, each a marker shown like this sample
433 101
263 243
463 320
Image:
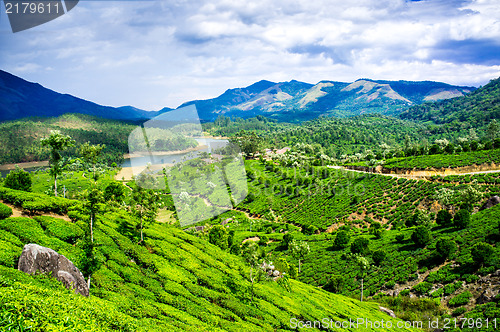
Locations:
169 158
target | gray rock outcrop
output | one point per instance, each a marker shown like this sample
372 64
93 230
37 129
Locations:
45 260
492 201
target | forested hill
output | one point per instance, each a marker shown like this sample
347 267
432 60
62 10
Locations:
472 110
21 99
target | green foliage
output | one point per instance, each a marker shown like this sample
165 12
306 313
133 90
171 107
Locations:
460 299
342 239
481 252
218 236
287 239
115 191
423 287
444 218
418 218
5 211
360 246
461 219
379 256
421 236
446 247
18 179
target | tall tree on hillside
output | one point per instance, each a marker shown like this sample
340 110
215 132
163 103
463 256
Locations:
363 266
93 200
493 130
145 207
91 155
299 250
57 143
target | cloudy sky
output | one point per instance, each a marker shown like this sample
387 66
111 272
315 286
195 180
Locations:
152 54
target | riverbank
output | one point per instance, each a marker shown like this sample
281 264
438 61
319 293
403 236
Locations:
31 164
163 153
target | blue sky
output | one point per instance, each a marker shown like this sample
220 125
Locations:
152 54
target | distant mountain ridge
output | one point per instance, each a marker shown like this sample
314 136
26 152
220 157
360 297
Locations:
20 98
284 101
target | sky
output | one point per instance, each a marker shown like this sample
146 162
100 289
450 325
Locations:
155 54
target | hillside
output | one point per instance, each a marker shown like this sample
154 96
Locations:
475 109
21 138
21 99
174 282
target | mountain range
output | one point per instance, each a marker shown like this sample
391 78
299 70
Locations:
290 101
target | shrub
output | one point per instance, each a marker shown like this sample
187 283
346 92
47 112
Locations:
404 292
460 299
459 311
342 239
218 236
481 252
335 284
5 211
287 239
423 287
445 248
360 246
309 229
263 240
400 238
115 191
421 236
443 218
18 179
379 256
461 219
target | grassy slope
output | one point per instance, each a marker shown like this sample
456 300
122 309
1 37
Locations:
176 282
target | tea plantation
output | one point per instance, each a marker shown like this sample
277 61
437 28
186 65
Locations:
172 282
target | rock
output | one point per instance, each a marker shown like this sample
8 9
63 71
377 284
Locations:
387 311
45 260
492 201
487 296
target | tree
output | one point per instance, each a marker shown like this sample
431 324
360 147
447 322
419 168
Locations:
444 196
18 179
299 250
418 218
253 258
379 256
287 239
57 143
89 261
471 194
493 129
91 155
444 218
218 236
445 248
363 266
421 236
335 284
115 191
360 246
249 142
93 199
481 252
462 218
342 239
145 206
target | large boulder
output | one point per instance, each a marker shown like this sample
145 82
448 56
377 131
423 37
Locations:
492 201
45 260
